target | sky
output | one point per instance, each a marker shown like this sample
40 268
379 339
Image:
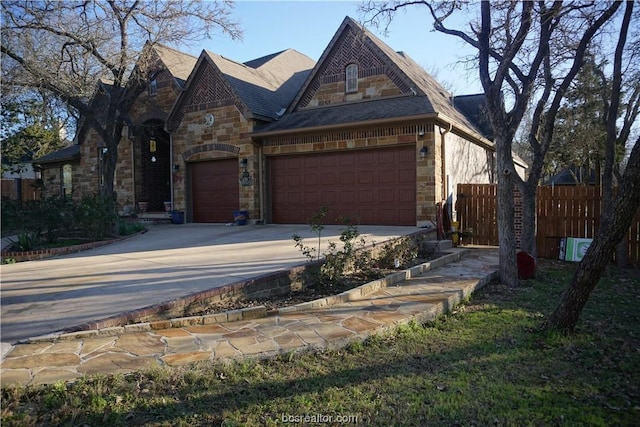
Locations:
308 27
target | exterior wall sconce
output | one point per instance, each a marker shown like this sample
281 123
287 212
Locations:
176 168
423 152
421 132
245 176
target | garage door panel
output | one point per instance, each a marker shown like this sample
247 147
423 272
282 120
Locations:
343 161
387 196
387 176
406 176
347 178
328 197
406 196
312 179
366 178
312 198
310 163
406 215
328 178
214 190
372 184
366 198
407 156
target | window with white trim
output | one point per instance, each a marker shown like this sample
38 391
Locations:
351 78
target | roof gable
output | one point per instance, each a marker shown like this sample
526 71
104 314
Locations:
352 43
260 88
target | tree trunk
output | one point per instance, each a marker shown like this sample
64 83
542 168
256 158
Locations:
109 171
598 256
622 252
506 228
529 211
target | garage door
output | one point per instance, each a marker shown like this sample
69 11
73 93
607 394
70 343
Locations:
376 186
214 190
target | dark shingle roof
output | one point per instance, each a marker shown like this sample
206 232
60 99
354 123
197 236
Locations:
566 176
474 109
178 63
266 85
353 113
66 154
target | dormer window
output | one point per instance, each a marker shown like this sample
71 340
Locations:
153 87
351 78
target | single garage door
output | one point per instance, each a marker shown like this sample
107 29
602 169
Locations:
374 186
214 190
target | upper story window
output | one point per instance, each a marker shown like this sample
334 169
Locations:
153 87
351 78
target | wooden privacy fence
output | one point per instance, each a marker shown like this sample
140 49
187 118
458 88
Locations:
562 211
20 189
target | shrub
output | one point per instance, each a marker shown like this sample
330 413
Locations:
400 252
50 217
27 241
96 216
129 228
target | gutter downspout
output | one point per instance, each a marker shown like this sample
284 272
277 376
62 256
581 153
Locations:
443 159
262 184
171 172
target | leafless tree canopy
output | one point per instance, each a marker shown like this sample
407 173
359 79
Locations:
528 53
67 47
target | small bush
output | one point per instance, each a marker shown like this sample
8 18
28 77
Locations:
129 228
27 241
96 217
398 253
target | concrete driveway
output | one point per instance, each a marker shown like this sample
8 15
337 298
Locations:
167 262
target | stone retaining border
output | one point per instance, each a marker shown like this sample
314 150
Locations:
244 313
52 252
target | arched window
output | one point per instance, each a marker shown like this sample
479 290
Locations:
67 180
153 87
351 78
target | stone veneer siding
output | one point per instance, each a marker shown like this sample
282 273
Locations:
229 136
86 173
368 88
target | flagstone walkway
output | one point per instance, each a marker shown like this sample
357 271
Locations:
420 298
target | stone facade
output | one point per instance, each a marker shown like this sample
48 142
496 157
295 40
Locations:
229 137
87 171
373 87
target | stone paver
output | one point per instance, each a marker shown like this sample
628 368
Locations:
420 298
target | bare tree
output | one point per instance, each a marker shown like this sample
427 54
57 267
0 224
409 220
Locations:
67 47
617 212
528 54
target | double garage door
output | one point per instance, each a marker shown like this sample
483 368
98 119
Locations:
373 186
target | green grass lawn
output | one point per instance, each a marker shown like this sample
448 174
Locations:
485 364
